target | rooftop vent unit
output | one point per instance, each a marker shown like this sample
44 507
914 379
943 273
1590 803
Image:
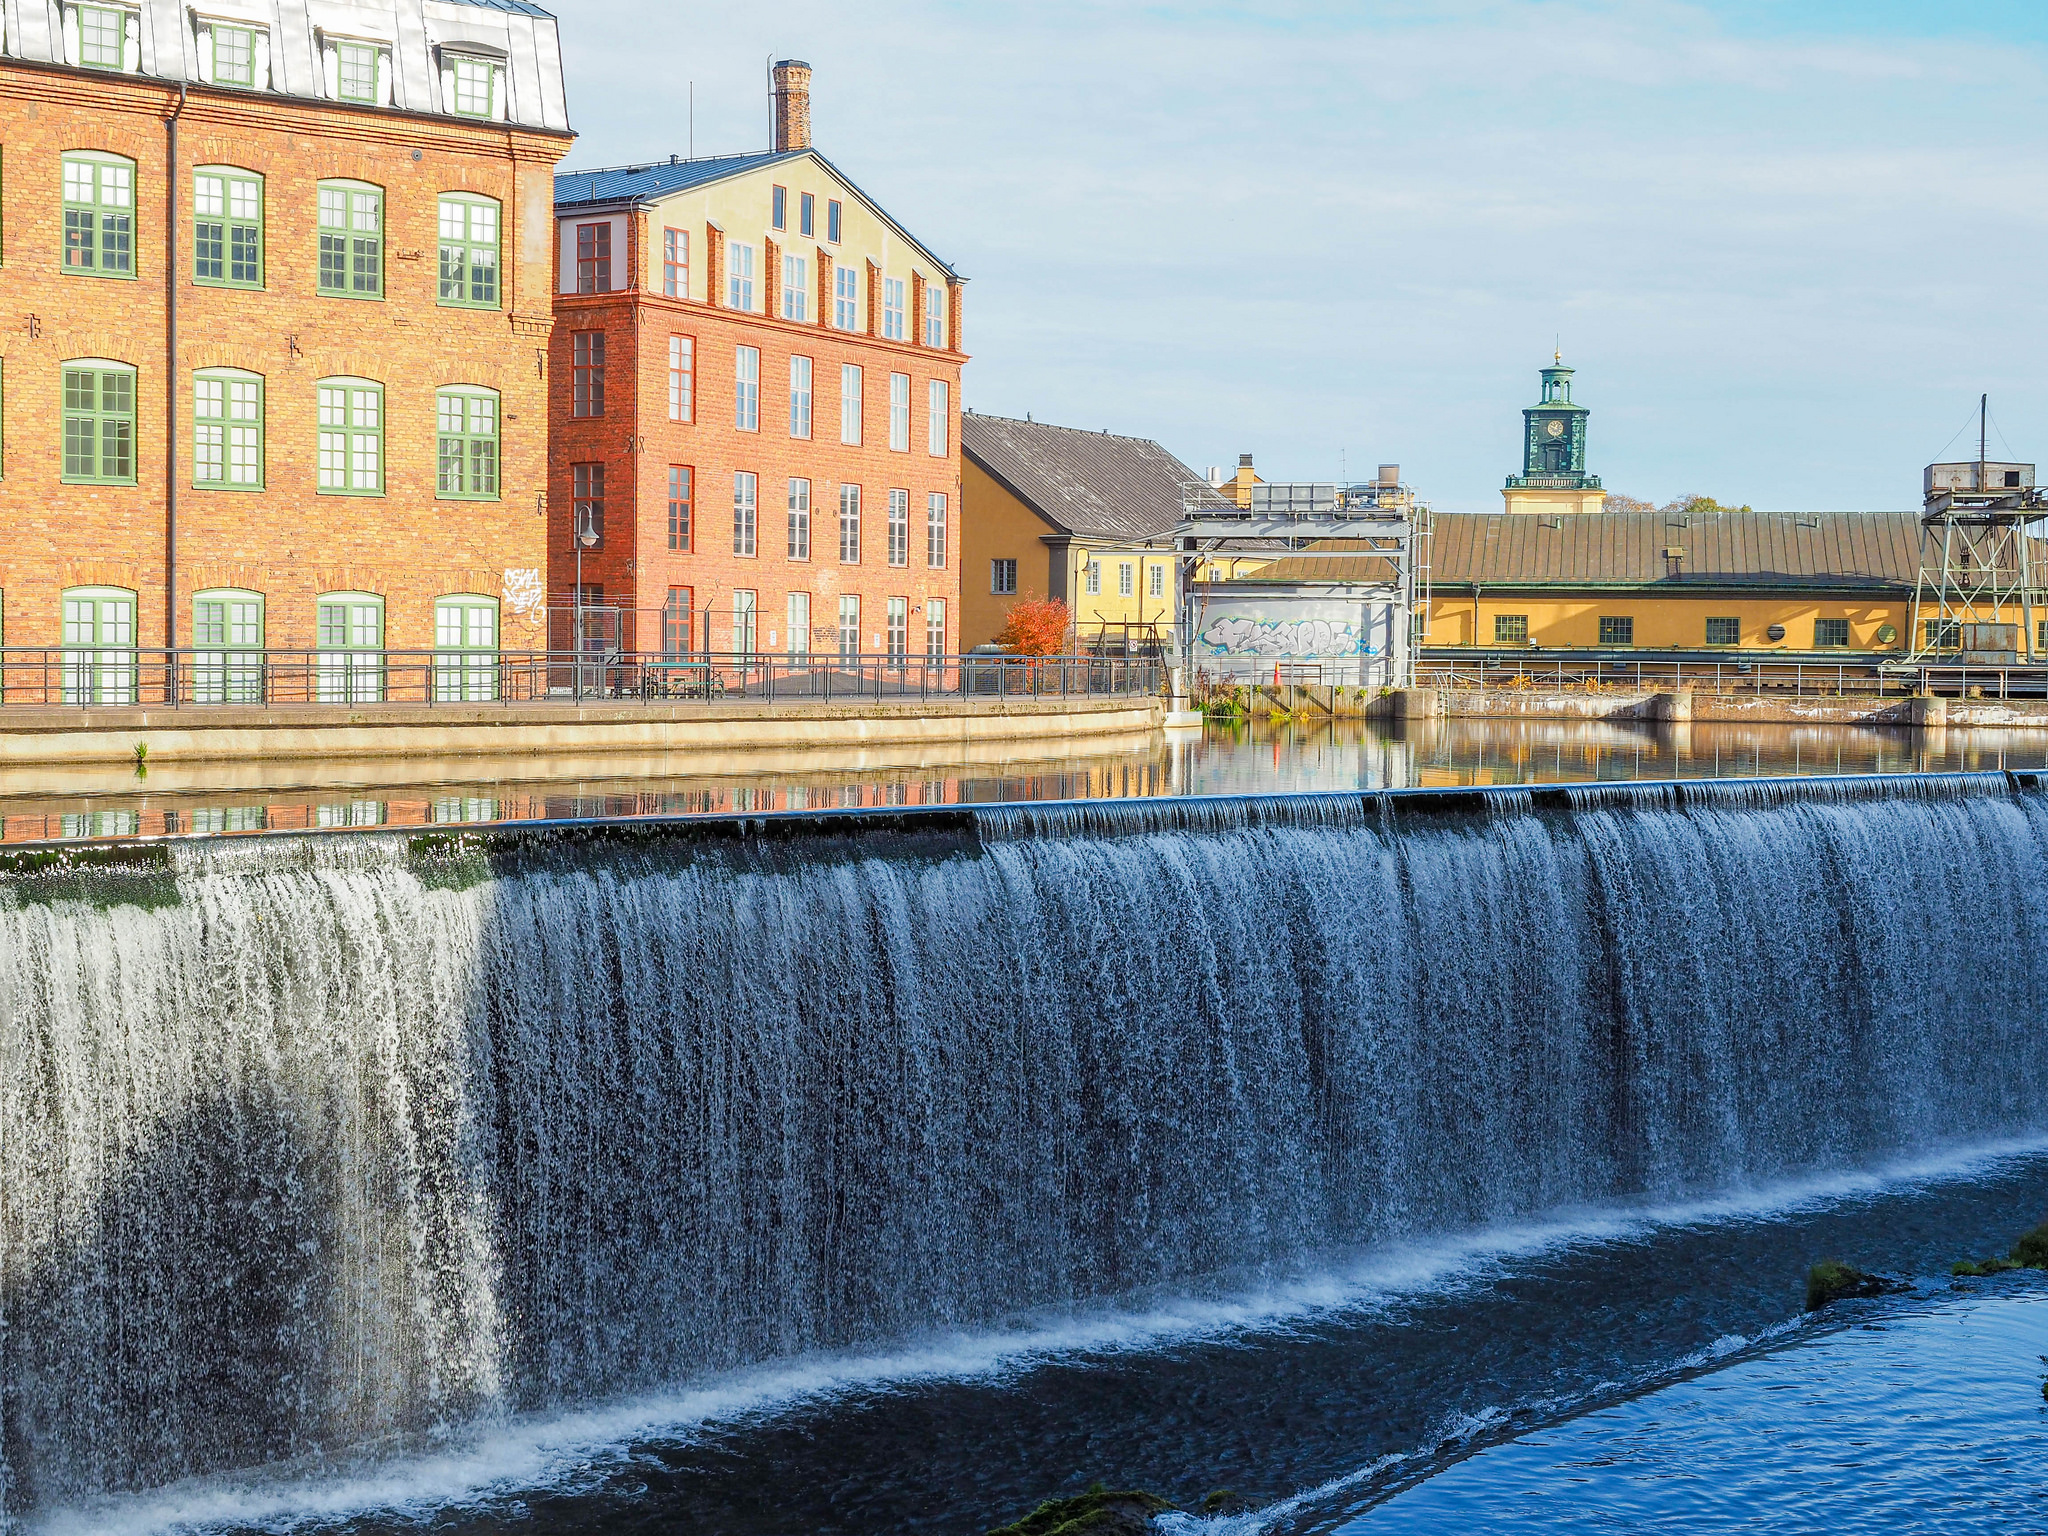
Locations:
1964 477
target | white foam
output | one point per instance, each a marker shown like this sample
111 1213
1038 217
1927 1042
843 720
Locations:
497 1462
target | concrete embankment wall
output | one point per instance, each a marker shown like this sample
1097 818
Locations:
229 733
1747 709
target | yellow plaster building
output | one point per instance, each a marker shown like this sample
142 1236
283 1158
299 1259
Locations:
1086 517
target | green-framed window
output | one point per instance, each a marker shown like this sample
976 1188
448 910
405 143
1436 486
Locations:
1724 630
1617 630
99 215
99 422
1830 633
102 35
227 430
351 240
469 250
351 438
355 72
227 227
466 647
348 668
99 640
467 444
1511 629
227 646
474 86
234 54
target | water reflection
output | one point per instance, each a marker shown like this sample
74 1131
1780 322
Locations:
1248 758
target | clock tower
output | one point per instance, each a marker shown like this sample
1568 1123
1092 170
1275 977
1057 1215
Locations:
1553 477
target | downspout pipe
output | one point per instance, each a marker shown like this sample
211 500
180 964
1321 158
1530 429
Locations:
171 389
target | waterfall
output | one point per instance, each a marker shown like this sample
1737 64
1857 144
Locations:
309 1144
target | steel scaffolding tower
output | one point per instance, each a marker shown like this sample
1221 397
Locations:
1980 597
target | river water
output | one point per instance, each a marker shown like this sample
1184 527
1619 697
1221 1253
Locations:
862 1174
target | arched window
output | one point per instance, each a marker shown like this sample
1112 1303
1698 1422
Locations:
351 240
349 667
469 250
466 443
227 430
99 422
99 214
351 437
465 647
227 646
99 641
227 227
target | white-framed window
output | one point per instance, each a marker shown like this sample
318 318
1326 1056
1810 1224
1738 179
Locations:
935 627
849 626
227 430
348 668
465 647
849 525
800 397
743 614
899 527
746 507
746 389
675 263
845 297
1126 579
935 530
1092 578
739 284
99 636
1002 578
899 412
472 86
682 368
796 291
935 315
103 37
799 519
899 628
892 308
1157 572
799 639
227 644
849 404
351 448
938 415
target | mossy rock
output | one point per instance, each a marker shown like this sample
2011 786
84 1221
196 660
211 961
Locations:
1991 1266
1223 1501
1832 1280
2031 1251
1098 1512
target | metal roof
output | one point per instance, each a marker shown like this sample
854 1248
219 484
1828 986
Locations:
1093 485
632 183
516 7
1807 550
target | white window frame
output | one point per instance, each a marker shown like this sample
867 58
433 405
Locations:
1126 579
849 404
899 412
938 419
746 513
1091 578
798 614
849 525
892 309
739 278
935 316
935 627
746 389
796 293
799 519
682 378
897 628
800 373
899 527
745 614
1156 578
845 297
849 626
936 513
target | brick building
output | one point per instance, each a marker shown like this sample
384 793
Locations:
277 305
755 401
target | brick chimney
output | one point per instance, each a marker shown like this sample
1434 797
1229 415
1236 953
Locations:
792 105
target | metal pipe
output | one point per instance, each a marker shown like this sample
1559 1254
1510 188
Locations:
171 382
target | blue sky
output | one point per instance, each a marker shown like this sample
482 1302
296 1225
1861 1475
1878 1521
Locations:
1785 245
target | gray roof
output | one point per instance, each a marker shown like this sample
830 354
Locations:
1094 485
295 43
633 183
1867 551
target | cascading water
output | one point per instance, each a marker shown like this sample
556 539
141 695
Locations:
307 1144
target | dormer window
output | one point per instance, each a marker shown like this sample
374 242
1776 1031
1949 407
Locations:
103 37
356 69
472 85
233 54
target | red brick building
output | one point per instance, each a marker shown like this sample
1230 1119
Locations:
272 376
755 397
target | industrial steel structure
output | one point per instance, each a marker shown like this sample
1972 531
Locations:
1980 599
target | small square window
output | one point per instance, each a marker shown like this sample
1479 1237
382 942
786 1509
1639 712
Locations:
1617 631
1724 631
1002 577
234 56
1511 629
1830 632
355 72
101 36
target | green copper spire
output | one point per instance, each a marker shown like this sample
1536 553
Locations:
1554 438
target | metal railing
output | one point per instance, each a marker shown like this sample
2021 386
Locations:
196 678
1804 678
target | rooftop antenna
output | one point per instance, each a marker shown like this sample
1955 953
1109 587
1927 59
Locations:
693 119
1983 410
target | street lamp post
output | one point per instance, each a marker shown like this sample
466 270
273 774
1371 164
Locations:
586 538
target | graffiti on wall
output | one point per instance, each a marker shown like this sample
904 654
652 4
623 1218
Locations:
1237 635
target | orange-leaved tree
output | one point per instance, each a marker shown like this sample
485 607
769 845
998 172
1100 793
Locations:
1037 627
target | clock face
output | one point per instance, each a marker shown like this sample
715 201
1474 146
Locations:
1554 428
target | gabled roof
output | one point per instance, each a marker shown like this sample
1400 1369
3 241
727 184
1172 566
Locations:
1093 485
1852 551
640 184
